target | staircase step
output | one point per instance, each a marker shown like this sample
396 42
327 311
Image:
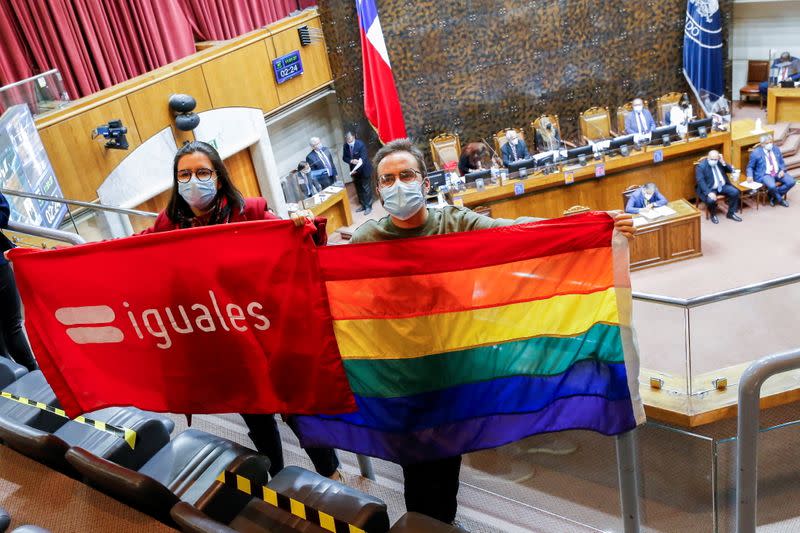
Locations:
792 162
790 144
781 130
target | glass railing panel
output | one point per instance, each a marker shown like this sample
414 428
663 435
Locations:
661 332
581 487
41 93
727 336
778 481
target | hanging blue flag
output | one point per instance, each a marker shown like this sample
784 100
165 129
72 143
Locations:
702 51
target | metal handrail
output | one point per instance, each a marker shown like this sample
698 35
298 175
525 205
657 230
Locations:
747 432
698 301
47 233
87 205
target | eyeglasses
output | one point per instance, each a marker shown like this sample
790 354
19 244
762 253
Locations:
202 174
406 176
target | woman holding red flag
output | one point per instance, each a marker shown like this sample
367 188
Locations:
203 195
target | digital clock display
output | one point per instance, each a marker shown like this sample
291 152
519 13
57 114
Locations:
288 66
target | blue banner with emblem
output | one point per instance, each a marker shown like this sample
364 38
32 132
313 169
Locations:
702 51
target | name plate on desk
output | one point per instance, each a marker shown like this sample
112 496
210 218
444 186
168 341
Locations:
288 66
658 156
519 188
599 171
569 178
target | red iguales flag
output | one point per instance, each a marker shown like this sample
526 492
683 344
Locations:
230 318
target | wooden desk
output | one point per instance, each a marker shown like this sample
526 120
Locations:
742 139
548 196
669 239
783 105
336 209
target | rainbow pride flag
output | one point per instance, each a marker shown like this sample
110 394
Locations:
460 342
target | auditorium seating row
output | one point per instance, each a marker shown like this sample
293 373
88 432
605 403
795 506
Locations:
175 480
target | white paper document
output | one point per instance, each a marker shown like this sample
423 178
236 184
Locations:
639 221
753 185
664 211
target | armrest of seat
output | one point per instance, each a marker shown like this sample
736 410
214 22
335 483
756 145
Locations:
40 445
139 490
192 520
223 503
10 371
420 523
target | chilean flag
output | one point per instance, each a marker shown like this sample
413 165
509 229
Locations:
381 104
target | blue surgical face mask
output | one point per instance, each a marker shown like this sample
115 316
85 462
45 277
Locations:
198 194
403 200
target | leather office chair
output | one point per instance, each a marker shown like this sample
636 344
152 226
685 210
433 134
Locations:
420 523
626 194
152 434
331 497
536 124
622 113
664 104
595 124
445 148
34 387
500 138
757 72
10 371
576 210
184 470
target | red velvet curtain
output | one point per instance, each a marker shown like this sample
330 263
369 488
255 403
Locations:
217 20
98 43
94 44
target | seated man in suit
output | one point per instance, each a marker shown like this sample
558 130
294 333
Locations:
640 120
514 149
645 198
788 68
320 158
768 167
711 176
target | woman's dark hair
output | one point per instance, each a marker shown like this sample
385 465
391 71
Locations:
179 211
301 165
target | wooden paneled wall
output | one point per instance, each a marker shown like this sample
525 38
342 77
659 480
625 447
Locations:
477 67
230 74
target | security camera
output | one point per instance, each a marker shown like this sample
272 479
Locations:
115 132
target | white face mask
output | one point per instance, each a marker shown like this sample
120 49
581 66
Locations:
712 162
768 147
648 195
198 194
403 200
638 108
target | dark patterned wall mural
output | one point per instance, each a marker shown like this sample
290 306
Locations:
475 67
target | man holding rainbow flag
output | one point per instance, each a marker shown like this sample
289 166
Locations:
470 342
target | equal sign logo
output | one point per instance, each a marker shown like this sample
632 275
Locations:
88 320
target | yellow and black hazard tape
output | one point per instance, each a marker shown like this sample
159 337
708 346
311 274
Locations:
290 505
128 435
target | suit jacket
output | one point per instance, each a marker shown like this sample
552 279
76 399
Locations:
508 156
359 152
316 163
704 177
757 167
636 201
632 127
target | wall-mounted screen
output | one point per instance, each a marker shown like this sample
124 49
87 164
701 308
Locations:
288 66
24 166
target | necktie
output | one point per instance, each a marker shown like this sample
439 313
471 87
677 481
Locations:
513 152
325 161
640 121
782 75
773 163
718 179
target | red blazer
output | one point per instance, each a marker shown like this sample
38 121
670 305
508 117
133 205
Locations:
254 209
